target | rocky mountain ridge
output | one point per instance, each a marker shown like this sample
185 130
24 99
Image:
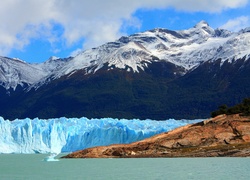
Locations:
186 49
157 74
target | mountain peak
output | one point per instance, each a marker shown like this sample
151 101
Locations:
186 49
201 24
203 27
53 58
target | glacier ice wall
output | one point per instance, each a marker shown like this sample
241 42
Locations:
71 134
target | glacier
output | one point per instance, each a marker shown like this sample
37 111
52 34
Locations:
63 134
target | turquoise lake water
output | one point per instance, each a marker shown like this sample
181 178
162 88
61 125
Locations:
32 166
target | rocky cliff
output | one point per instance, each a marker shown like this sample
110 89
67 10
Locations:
219 136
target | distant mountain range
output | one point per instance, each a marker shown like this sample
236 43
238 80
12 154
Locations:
157 74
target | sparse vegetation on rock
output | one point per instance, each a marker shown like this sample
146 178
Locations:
243 109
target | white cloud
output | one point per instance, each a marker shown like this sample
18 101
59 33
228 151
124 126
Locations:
96 21
208 5
237 23
75 52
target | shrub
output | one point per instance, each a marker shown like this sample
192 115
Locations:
242 108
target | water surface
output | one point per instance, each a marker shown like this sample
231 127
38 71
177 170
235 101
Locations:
21 166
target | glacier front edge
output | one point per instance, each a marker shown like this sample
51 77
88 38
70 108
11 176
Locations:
72 134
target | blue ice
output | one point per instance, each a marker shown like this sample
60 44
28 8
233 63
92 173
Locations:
71 134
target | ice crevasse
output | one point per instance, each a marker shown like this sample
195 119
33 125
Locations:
71 134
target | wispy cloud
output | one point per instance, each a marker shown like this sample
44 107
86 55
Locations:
237 23
195 5
95 21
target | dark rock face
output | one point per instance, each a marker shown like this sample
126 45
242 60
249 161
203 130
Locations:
157 74
159 92
220 136
114 93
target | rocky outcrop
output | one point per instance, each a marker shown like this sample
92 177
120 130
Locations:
220 136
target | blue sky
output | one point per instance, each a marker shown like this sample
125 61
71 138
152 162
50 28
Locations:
36 30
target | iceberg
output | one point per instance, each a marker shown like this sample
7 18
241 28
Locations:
63 134
51 158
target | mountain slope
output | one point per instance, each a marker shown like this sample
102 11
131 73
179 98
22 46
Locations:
185 48
15 72
156 74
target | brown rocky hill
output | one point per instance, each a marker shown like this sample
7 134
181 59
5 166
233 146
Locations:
220 136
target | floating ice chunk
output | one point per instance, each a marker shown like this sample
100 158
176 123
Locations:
51 157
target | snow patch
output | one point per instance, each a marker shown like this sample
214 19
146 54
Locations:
185 48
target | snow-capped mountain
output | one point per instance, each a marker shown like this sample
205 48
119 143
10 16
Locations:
155 74
14 72
185 48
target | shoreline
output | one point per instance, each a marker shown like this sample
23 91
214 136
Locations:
222 136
